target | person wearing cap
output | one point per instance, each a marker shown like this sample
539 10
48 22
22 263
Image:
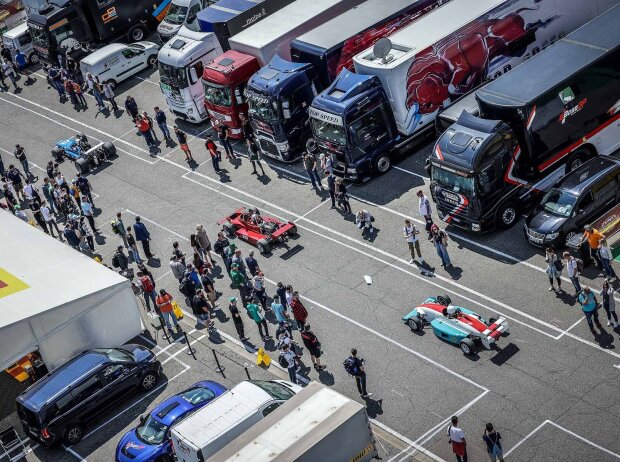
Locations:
440 240
589 306
252 264
594 238
237 319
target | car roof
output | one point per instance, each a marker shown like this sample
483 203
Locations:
582 177
16 31
103 53
176 406
62 378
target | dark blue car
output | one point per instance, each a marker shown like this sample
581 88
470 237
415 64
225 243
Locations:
150 441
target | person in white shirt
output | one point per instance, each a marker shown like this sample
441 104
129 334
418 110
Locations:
573 271
88 212
424 207
363 220
457 439
49 219
411 236
606 259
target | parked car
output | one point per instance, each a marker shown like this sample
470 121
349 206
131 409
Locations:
60 405
118 61
576 200
19 38
150 441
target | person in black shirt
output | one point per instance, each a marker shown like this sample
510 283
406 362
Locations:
331 187
246 127
182 137
254 155
360 376
200 308
237 319
222 135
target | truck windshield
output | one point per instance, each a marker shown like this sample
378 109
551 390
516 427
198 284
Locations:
261 107
218 95
39 36
176 14
558 202
171 75
329 131
452 181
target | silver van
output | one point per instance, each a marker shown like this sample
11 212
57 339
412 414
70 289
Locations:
19 38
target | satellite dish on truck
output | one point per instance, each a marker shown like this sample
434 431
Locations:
382 48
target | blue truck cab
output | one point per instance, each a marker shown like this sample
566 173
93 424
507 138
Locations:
279 96
352 120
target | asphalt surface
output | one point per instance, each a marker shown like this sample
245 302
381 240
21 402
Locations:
550 387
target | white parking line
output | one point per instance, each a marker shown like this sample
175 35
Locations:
74 453
570 328
183 348
165 349
310 211
409 172
412 444
154 345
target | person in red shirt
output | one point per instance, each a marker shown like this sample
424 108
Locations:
215 155
145 130
299 311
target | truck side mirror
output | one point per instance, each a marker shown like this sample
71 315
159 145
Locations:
238 96
581 212
286 110
193 75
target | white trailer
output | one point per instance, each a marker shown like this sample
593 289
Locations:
56 300
317 424
275 33
453 49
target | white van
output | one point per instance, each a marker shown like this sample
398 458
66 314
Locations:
180 12
118 61
207 431
19 38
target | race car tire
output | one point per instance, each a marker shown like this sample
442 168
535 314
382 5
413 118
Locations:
414 324
81 165
467 346
444 300
263 246
492 320
229 229
109 149
57 154
293 232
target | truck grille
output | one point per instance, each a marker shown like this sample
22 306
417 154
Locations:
268 147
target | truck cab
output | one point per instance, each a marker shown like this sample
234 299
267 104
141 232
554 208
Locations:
281 125
352 120
225 80
179 13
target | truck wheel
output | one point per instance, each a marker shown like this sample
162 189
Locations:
263 246
382 164
152 61
73 434
444 300
229 229
109 149
33 59
57 154
577 159
506 215
136 33
467 346
414 324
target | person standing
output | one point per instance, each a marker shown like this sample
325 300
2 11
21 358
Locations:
98 94
132 107
288 359
160 118
145 130
88 212
237 319
182 138
312 344
413 242
254 155
119 228
572 269
8 71
20 155
609 304
86 233
119 259
178 268
606 260
71 236
35 208
554 268
252 264
200 308
237 259
281 293
310 165
299 311
354 366
49 219
240 281
457 440
215 156
148 287
69 88
48 193
222 135
341 195
133 248
594 238
259 289
209 290
205 243
424 207
85 187
164 304
246 127
220 246
257 314
108 92
440 240
494 444
15 177
146 117
331 187
589 306
279 310
79 94
143 236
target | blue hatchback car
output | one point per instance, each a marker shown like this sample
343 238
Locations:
150 441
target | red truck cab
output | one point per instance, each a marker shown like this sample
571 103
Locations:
224 80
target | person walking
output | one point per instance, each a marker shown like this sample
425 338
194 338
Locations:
150 121
88 212
494 445
257 314
240 281
182 138
299 311
594 238
133 248
213 152
310 165
440 240
20 155
354 366
8 71
410 232
254 155
572 269
331 187
164 304
143 236
456 438
108 92
424 208
554 268
132 107
237 319
205 244
609 304
341 195
49 219
606 259
589 306
160 118
312 344
145 130
222 135
287 359
119 259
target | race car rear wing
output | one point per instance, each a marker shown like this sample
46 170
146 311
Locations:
494 332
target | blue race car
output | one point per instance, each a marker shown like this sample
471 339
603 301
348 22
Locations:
150 441
78 149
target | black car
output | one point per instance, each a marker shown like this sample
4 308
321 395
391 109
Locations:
61 404
577 199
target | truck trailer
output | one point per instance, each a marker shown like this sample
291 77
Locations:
317 424
317 57
541 120
260 43
370 117
77 27
198 42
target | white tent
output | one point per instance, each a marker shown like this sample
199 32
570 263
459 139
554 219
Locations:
57 300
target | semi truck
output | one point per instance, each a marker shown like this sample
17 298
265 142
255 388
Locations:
317 57
317 424
259 43
179 13
536 123
76 27
369 118
198 42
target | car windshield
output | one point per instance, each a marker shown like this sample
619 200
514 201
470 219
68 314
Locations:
275 389
260 107
115 354
558 202
39 36
452 181
329 131
218 95
151 431
176 14
171 75
198 395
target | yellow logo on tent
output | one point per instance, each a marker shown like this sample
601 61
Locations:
10 284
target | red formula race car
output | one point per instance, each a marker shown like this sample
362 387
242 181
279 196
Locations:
263 232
